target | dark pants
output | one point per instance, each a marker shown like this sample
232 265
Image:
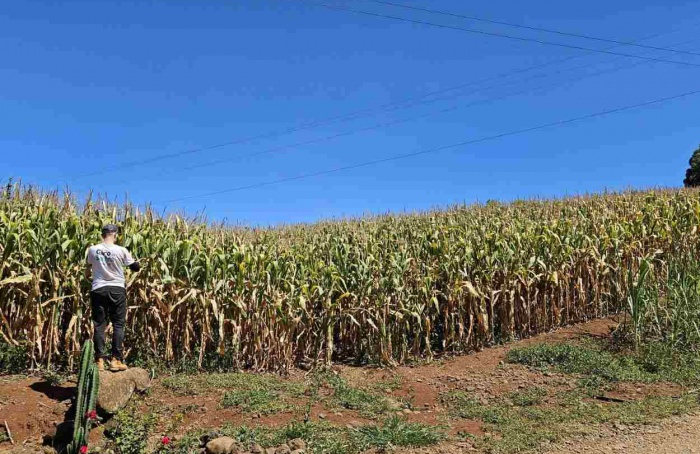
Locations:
109 304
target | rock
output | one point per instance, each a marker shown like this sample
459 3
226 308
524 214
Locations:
206 438
298 451
222 445
256 449
117 388
283 449
296 444
321 416
270 451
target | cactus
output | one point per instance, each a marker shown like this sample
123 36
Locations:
88 385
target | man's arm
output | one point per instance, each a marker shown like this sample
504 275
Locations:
129 261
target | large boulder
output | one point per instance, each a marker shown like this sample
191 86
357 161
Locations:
116 388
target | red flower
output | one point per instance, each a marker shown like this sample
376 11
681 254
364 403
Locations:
165 440
91 414
83 450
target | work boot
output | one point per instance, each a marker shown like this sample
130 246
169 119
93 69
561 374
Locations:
101 364
117 366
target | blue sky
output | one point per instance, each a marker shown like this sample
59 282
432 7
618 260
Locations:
93 85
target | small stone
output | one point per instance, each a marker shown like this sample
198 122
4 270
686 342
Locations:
321 416
283 449
221 445
407 411
296 444
270 451
298 451
256 449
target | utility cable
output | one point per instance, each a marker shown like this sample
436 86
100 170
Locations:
435 149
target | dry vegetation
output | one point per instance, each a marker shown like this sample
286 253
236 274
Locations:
389 289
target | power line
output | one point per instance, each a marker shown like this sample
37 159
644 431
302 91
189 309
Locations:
397 105
498 35
527 27
434 150
418 117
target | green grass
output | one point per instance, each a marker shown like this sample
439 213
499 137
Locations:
323 437
524 426
14 359
131 431
262 401
528 396
525 419
265 394
653 363
397 431
367 401
240 381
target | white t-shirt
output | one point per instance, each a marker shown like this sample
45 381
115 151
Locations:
108 262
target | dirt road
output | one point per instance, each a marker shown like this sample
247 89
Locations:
674 436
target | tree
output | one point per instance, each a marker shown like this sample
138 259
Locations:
692 175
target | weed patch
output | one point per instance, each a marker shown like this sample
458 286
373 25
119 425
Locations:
397 431
261 401
366 401
524 423
653 363
131 431
240 381
325 438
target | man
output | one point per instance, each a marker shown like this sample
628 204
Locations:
106 261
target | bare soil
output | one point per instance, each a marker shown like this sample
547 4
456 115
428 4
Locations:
32 407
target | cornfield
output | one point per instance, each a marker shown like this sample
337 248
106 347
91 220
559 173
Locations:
388 289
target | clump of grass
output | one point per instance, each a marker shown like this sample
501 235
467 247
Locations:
239 381
391 384
518 428
528 396
54 377
397 431
653 363
325 438
131 431
366 401
260 401
14 359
